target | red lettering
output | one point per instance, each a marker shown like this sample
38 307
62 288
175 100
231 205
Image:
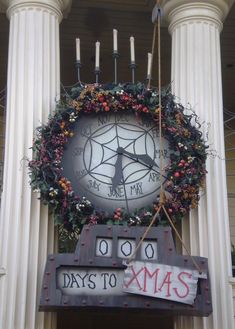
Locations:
151 275
135 275
167 281
189 275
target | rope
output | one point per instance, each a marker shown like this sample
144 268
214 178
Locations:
144 236
157 28
162 196
179 237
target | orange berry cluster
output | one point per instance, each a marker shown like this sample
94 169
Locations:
65 184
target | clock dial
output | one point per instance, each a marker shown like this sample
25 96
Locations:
114 160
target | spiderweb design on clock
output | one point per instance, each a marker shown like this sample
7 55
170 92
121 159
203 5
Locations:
118 161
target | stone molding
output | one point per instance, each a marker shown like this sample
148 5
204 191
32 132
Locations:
184 11
59 8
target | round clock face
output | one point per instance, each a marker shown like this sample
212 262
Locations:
114 160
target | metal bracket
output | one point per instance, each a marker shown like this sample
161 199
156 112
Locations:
157 11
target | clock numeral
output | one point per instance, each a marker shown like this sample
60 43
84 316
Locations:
155 133
103 119
163 152
80 173
154 177
86 131
118 192
145 123
93 185
77 151
122 117
136 189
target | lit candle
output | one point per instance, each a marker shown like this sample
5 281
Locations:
115 44
149 64
97 55
78 54
132 47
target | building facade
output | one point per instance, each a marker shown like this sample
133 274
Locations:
27 233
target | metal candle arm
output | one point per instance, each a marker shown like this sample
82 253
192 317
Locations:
133 67
115 58
97 73
78 66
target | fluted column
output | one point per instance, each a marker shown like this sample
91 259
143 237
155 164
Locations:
26 233
195 27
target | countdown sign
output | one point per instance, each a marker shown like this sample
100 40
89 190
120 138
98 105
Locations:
97 274
148 279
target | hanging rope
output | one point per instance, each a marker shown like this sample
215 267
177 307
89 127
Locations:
156 18
179 237
144 236
156 30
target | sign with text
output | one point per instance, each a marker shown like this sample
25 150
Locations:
90 281
96 274
162 281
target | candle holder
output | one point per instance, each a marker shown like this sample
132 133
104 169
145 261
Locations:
133 67
148 81
115 58
97 73
78 66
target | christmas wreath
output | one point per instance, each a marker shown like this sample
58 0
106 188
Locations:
185 174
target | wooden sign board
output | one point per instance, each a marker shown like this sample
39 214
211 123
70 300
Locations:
93 275
162 281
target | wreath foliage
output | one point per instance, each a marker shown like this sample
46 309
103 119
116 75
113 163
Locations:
185 173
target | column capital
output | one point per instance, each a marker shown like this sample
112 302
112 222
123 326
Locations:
59 7
179 11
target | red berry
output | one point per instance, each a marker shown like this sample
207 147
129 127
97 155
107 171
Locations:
106 108
177 174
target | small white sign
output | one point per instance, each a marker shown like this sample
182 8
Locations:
162 281
104 247
126 247
148 250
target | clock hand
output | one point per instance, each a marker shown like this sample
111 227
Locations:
118 170
118 165
142 157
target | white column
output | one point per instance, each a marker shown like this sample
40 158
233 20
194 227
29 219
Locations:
195 27
26 233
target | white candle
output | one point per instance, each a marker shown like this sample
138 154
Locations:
78 54
149 64
115 44
132 47
97 55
